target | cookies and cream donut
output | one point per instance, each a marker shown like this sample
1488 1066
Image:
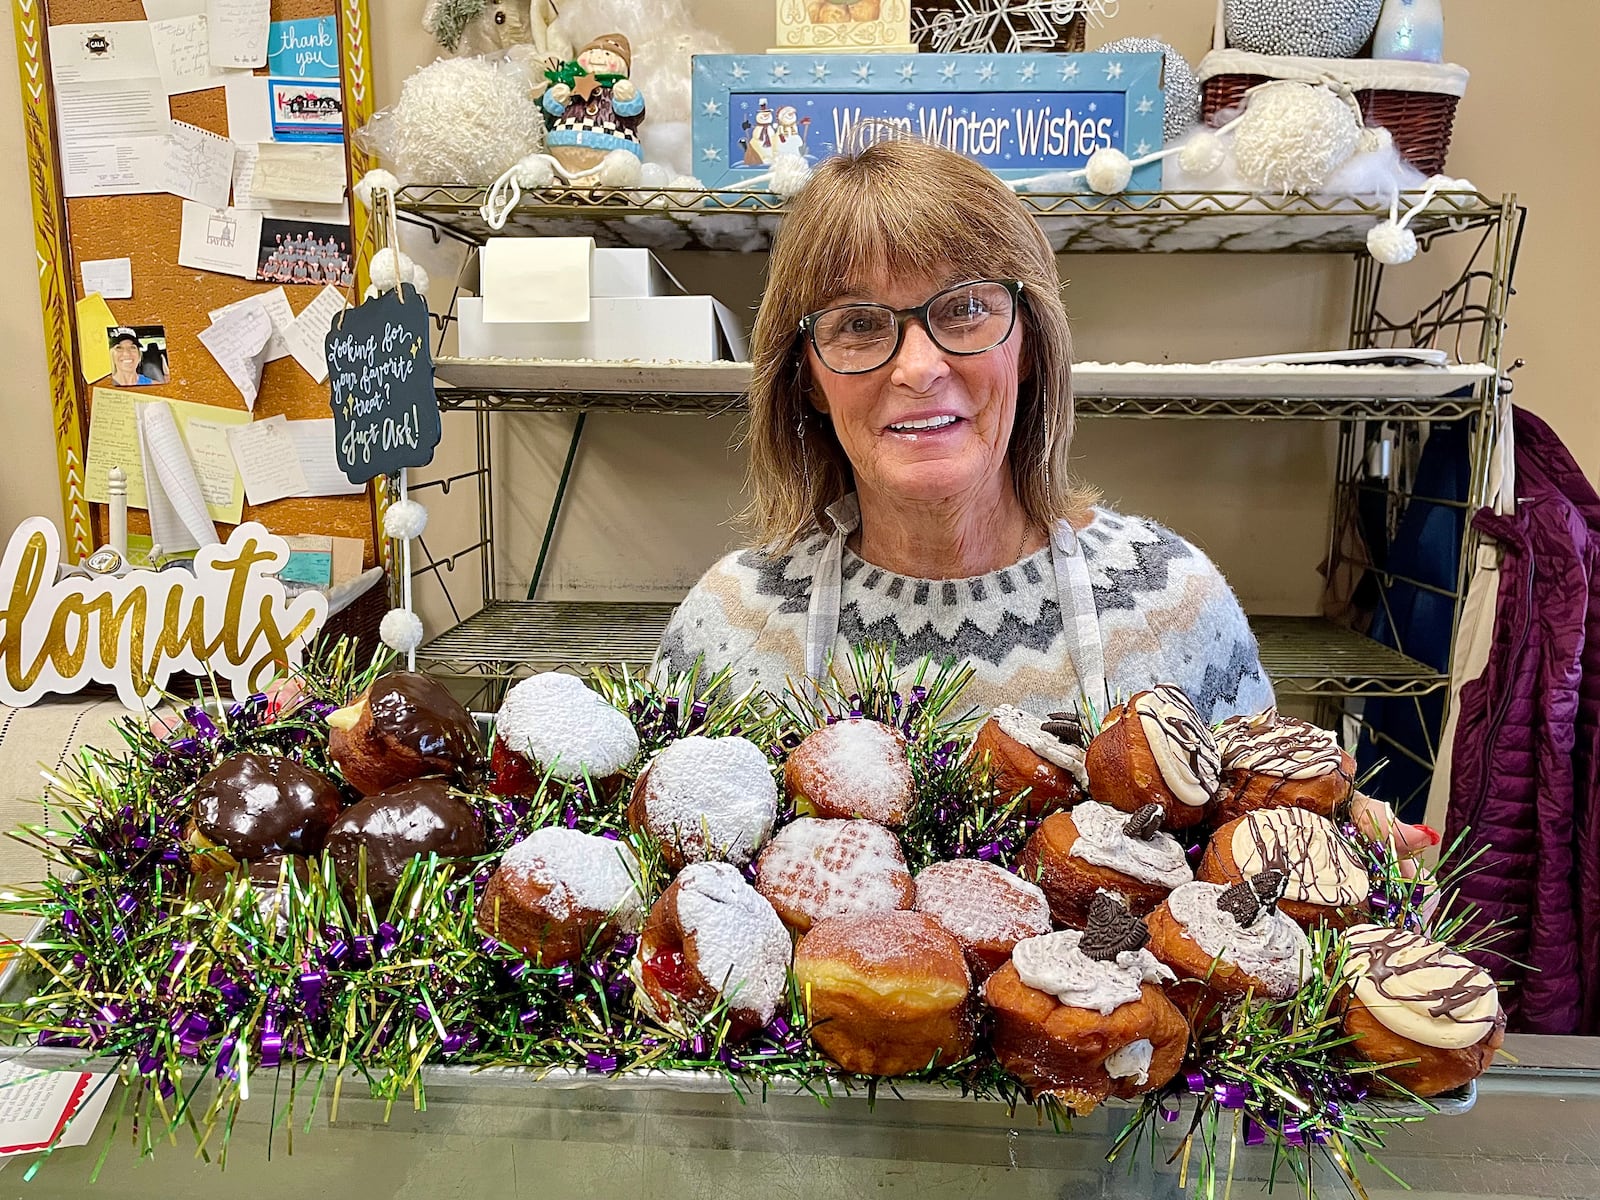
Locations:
885 993
986 908
853 768
1272 761
559 892
1325 879
556 723
712 936
706 799
406 725
1412 998
1155 749
1044 755
1082 1015
253 807
1094 847
1226 942
816 869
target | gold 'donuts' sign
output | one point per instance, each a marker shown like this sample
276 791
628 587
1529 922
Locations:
231 618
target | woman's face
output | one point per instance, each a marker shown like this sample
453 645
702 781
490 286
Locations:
125 361
881 417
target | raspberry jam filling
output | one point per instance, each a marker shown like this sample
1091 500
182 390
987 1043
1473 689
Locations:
669 971
513 774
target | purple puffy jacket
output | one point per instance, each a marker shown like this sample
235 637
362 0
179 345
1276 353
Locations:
1524 779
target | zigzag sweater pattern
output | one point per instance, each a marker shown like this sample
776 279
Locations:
1166 616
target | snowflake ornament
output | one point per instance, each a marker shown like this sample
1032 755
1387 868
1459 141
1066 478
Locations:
1000 26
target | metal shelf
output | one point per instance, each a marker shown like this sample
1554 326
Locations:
1075 222
1100 389
1304 656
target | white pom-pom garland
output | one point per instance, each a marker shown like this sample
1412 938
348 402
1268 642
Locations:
1108 171
684 187
789 174
1391 243
377 180
420 279
619 169
371 293
405 519
654 175
1203 153
1293 136
535 171
401 630
390 267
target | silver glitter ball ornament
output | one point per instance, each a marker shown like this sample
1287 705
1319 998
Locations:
1310 28
1183 90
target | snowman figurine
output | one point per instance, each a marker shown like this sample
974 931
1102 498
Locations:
519 27
592 107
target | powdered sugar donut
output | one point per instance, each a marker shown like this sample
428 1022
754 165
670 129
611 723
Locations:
712 935
558 891
816 868
706 799
557 723
986 908
852 768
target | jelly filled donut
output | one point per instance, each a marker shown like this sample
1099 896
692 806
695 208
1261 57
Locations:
559 892
706 799
852 768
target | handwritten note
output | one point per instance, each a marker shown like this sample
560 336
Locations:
237 339
385 411
111 277
265 454
198 165
227 240
176 501
239 31
114 441
277 305
314 446
291 171
305 338
183 55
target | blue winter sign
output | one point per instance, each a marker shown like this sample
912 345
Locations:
1020 115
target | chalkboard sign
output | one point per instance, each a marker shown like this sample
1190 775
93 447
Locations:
385 411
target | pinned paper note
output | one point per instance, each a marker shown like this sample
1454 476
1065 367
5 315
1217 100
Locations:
183 55
536 279
314 447
265 455
307 337
237 339
111 108
282 316
306 172
304 49
226 240
249 109
199 165
175 499
239 31
114 442
94 349
111 277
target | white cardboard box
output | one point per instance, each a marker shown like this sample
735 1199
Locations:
625 271
640 328
612 271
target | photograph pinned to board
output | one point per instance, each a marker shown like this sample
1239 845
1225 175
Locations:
138 355
305 252
307 110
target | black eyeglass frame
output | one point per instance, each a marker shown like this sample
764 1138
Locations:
808 323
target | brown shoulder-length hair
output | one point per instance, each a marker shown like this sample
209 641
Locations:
900 207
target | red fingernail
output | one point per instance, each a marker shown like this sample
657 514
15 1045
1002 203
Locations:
1433 838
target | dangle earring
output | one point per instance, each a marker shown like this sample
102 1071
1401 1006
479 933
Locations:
805 455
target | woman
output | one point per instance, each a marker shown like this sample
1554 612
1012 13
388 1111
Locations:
910 422
125 355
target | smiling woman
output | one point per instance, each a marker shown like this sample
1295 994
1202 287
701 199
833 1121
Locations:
910 423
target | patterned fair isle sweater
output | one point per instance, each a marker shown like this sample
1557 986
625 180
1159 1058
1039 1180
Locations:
1166 616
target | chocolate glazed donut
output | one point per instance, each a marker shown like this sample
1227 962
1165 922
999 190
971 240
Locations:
415 819
404 726
252 807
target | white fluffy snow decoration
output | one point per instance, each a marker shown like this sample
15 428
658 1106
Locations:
1374 139
377 180
390 267
619 169
1203 153
684 187
404 520
654 175
664 37
459 120
401 630
1392 244
789 174
1293 137
1108 171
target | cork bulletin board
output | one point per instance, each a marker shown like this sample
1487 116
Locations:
145 229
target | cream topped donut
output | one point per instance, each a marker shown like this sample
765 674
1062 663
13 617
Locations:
1325 877
852 768
986 908
555 722
1412 998
706 799
1271 761
1082 1015
1155 749
559 891
815 869
712 935
1228 942
1094 847
1044 755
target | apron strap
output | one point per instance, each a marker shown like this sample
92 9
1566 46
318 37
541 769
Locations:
1075 595
827 586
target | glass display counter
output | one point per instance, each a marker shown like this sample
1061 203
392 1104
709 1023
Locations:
1534 1132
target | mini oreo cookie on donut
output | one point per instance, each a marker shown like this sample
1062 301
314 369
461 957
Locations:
1043 756
1155 749
1075 855
1325 880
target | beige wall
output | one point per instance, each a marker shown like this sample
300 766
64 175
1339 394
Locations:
653 494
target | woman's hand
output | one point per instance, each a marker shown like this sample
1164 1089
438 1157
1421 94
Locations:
1376 820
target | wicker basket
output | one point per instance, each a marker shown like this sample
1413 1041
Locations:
1421 117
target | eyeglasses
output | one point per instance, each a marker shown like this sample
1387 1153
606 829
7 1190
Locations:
969 318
